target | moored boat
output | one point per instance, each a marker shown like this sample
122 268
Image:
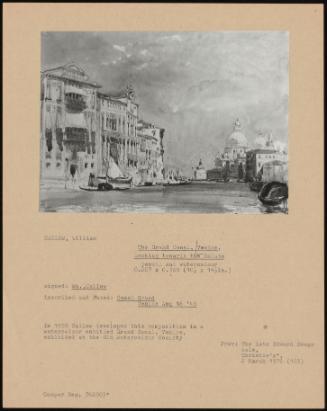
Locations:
119 183
170 182
88 188
176 182
256 185
273 194
96 184
115 178
184 182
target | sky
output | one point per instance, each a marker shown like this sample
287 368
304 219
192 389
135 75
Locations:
192 84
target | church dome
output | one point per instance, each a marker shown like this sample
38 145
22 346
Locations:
264 141
260 142
237 138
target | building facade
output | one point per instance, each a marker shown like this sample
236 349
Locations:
258 158
83 129
150 153
275 170
118 121
200 172
255 159
69 123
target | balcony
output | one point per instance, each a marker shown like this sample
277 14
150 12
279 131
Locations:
76 138
75 103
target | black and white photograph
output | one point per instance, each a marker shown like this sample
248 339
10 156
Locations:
156 202
164 122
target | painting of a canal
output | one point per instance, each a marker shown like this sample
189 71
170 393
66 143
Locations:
164 122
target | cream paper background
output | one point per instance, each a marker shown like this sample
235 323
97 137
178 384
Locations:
276 260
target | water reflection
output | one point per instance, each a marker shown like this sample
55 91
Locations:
234 198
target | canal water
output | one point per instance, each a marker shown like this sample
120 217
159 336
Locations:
207 197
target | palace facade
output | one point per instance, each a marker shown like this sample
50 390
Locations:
82 128
150 152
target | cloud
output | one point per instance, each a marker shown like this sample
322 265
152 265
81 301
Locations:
142 66
174 37
192 84
119 48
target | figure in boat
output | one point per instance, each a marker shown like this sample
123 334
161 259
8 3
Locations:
113 180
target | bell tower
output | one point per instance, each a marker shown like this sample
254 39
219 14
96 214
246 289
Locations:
130 91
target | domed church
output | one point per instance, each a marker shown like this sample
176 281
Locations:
234 155
236 144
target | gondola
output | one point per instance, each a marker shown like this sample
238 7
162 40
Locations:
256 186
106 183
273 193
88 188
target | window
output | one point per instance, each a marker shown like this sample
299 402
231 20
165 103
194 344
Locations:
85 165
48 165
113 123
58 165
92 165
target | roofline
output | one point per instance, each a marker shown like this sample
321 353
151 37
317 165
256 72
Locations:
145 125
51 69
262 151
108 97
63 66
123 96
95 85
